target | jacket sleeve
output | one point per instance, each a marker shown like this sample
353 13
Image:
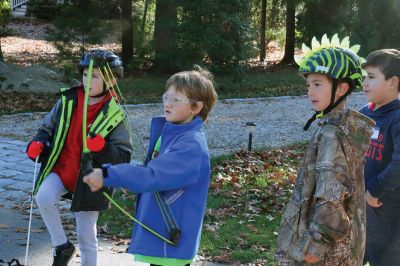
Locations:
178 167
389 178
49 122
118 147
330 221
46 131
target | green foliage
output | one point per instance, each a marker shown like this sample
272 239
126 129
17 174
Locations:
324 16
74 29
4 15
143 40
372 24
215 33
43 9
106 9
376 24
49 10
4 19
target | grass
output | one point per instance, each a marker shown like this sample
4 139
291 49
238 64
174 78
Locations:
149 88
247 195
284 82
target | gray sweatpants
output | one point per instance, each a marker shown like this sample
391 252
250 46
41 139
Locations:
47 200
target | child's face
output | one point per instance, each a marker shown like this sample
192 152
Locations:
319 91
96 85
377 89
177 107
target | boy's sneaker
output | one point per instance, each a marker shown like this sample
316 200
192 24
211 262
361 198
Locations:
63 254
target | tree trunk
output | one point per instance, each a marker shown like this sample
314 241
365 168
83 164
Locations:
1 53
127 32
288 58
164 36
146 6
262 29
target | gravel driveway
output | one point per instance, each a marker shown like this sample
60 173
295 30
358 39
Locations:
279 122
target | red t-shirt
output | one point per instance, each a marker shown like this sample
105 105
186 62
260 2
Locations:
68 163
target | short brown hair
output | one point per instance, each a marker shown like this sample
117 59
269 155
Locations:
197 85
387 60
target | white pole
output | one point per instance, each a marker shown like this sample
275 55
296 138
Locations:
30 213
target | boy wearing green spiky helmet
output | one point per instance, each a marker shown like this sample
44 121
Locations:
339 62
324 221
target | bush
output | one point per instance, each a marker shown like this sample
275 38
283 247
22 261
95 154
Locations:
215 33
47 10
4 19
74 30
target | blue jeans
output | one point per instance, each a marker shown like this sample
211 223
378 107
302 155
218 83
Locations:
383 232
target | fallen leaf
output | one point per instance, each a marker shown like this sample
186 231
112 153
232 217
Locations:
3 226
20 230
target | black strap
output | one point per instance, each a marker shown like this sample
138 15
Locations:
330 107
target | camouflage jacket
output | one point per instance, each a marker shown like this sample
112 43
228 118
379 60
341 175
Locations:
326 213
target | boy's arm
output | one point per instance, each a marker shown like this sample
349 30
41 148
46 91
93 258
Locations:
40 144
46 130
389 178
171 170
330 222
117 148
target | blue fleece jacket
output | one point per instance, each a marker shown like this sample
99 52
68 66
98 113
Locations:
181 173
382 168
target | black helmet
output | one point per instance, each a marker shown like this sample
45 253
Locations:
100 59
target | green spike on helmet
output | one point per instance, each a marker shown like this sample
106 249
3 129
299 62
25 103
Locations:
334 58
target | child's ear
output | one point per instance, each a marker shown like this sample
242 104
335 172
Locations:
197 107
395 82
342 89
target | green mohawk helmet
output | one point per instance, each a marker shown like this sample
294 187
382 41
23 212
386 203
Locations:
334 58
337 60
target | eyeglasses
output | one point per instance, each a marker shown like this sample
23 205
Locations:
176 99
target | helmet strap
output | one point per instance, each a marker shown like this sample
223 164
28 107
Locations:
331 106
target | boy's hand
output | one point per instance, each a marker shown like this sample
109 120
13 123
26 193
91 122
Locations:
95 143
94 180
372 201
34 149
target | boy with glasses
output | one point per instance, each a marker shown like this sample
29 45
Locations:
172 185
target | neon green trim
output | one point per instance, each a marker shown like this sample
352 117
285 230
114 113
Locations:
320 115
336 62
341 67
113 117
136 220
162 261
59 140
99 119
158 145
85 105
328 55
